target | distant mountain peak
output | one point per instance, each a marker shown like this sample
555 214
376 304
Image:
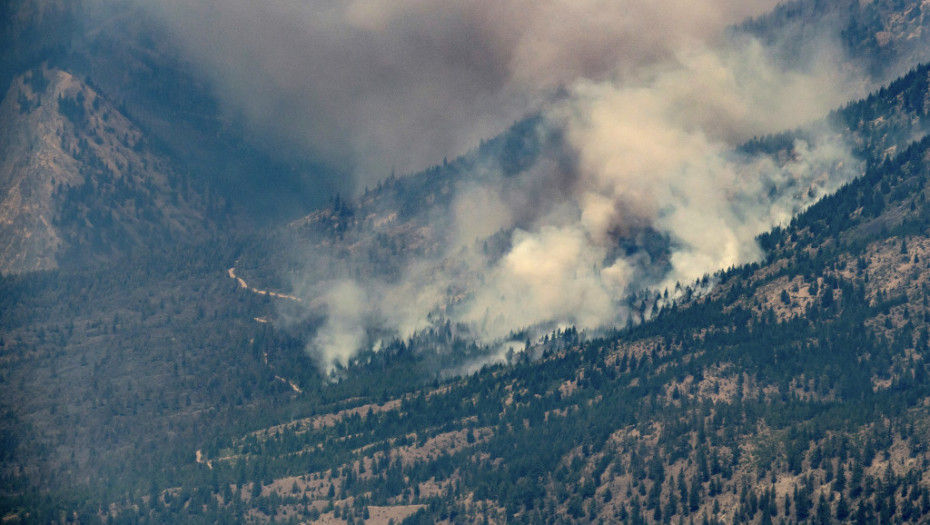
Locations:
74 171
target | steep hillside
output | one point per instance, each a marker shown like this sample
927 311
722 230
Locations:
79 182
796 390
120 50
882 37
132 59
158 367
413 217
410 230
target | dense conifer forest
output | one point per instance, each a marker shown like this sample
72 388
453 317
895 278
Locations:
159 374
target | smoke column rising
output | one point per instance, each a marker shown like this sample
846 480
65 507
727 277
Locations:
651 100
654 155
663 151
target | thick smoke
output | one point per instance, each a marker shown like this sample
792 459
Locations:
649 97
376 84
653 155
663 151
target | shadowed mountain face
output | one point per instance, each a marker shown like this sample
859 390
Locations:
128 66
80 183
623 308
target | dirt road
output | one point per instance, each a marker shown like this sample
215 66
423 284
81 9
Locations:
243 284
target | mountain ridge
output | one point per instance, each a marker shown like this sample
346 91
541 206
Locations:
737 395
152 384
78 172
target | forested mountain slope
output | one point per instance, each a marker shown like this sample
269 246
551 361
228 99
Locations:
796 390
79 182
158 367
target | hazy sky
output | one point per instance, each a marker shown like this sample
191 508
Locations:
373 84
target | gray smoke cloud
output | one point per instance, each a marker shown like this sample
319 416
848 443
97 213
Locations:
652 152
650 97
376 84
660 152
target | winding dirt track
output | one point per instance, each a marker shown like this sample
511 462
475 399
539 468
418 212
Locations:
243 284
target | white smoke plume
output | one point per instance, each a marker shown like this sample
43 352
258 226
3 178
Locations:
650 97
656 152
347 315
662 151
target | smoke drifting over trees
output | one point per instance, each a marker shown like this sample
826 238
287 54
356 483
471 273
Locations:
650 100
